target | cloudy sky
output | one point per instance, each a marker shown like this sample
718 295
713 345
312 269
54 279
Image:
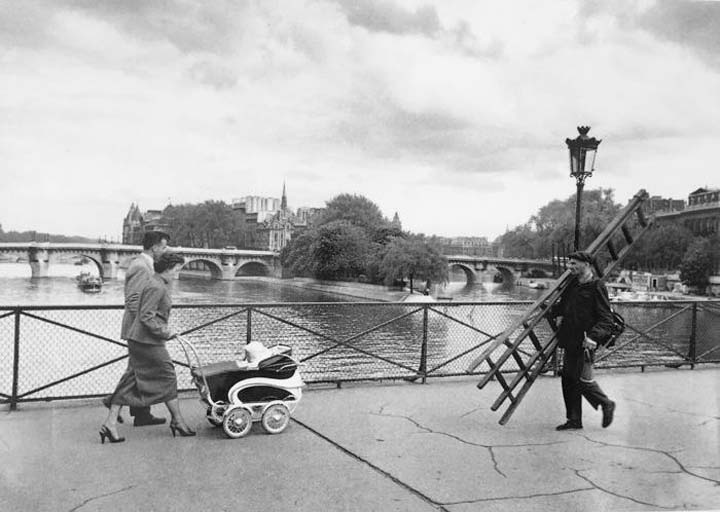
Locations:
453 113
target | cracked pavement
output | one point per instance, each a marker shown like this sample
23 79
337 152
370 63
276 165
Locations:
397 446
443 441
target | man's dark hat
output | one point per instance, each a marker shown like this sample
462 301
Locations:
583 256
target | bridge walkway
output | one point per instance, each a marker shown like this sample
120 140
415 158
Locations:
400 447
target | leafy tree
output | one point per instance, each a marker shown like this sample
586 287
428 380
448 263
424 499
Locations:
520 242
339 250
213 224
296 255
347 241
354 209
697 264
661 248
554 224
413 258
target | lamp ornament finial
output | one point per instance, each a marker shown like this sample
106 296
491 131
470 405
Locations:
583 130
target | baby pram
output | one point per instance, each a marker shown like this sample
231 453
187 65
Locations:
238 393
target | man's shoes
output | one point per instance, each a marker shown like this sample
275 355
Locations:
142 421
570 425
608 413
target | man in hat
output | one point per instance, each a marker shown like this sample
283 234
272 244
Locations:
586 321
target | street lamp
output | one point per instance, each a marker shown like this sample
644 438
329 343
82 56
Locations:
582 164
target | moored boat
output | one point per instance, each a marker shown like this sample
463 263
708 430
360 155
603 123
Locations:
89 283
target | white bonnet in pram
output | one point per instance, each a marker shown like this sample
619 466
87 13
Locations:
256 352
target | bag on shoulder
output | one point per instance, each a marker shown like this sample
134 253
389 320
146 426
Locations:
618 327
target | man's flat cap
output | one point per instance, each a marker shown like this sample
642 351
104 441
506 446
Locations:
583 256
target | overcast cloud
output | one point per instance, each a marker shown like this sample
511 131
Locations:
452 113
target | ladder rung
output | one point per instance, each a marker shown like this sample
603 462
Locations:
519 361
611 249
627 234
534 339
489 375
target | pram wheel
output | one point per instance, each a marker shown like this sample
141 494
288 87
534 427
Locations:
275 418
237 422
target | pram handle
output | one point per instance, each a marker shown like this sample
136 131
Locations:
185 344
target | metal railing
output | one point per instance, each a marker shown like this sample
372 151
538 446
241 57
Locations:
63 352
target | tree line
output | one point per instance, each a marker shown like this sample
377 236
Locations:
664 248
211 224
350 240
35 236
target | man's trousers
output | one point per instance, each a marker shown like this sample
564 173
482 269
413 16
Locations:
574 387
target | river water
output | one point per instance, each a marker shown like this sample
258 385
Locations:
60 288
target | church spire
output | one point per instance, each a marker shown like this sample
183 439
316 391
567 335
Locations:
283 201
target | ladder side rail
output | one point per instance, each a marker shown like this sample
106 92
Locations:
549 298
617 223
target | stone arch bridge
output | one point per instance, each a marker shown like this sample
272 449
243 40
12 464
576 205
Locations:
510 268
222 263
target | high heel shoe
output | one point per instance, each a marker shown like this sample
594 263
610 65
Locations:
184 432
106 433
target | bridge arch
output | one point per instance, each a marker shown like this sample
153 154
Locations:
470 274
97 263
507 273
253 268
215 270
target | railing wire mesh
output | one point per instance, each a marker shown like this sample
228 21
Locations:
56 352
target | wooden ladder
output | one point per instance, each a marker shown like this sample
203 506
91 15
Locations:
612 245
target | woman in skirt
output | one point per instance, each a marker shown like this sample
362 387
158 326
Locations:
152 379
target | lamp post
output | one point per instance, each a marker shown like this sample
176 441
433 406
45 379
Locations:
582 164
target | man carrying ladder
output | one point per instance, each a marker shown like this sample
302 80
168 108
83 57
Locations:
586 322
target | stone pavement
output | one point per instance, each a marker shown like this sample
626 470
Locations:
378 447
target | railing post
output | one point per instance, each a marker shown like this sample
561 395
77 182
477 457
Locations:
423 349
16 363
693 337
248 335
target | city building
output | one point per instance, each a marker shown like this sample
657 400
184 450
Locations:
275 232
137 223
701 215
256 208
395 222
133 226
268 222
655 204
467 246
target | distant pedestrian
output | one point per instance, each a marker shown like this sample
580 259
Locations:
153 379
586 322
137 276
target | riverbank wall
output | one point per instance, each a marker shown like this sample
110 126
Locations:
364 291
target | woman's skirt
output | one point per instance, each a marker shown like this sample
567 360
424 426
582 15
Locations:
150 378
